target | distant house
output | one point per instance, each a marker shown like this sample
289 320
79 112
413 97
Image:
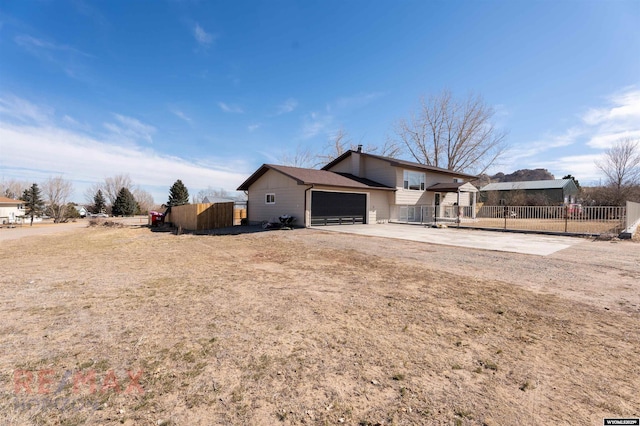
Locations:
538 192
358 188
210 199
82 211
11 210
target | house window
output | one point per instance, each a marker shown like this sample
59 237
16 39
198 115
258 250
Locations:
458 180
270 199
413 180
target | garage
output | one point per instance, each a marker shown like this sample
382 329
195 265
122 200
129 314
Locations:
338 208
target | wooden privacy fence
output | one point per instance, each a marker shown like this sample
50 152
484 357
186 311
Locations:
201 217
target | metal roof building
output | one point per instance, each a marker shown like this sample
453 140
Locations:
557 191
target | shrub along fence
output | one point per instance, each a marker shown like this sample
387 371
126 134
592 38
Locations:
572 219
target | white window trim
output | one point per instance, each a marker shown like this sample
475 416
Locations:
422 182
266 198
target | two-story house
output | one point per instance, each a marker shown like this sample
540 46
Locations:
359 188
11 210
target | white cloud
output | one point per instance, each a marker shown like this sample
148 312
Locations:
72 122
61 55
287 106
182 115
51 150
356 101
316 123
230 108
598 128
202 37
30 42
620 118
582 166
130 129
25 111
253 127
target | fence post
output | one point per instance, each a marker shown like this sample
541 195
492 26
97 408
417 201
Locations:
566 217
506 213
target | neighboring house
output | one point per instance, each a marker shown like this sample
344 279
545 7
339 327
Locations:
537 192
357 188
11 210
82 211
210 199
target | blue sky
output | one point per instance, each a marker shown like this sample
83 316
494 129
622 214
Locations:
207 91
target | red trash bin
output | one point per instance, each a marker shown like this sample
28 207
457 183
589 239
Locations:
156 218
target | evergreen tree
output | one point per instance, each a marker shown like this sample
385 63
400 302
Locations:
34 204
178 194
574 181
125 204
99 203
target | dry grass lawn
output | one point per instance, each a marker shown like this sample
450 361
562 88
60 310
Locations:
272 328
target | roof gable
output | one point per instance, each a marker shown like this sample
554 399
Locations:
452 187
314 177
399 163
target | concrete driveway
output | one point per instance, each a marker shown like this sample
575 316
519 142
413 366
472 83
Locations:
541 245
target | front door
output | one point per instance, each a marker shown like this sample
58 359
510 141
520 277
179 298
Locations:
436 213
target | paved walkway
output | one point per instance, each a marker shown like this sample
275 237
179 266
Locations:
541 245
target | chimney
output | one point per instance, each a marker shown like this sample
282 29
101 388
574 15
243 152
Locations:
356 162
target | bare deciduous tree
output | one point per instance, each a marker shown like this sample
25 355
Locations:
302 157
57 192
341 143
334 148
144 199
91 191
621 166
453 134
113 185
13 188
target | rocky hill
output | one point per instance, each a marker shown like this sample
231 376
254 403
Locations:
517 176
523 175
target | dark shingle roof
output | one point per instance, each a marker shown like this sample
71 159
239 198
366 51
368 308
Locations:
314 177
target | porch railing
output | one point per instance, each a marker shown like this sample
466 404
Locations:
430 214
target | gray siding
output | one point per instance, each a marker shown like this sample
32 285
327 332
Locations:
379 171
379 206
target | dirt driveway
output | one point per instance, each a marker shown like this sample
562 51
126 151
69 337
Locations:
49 228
